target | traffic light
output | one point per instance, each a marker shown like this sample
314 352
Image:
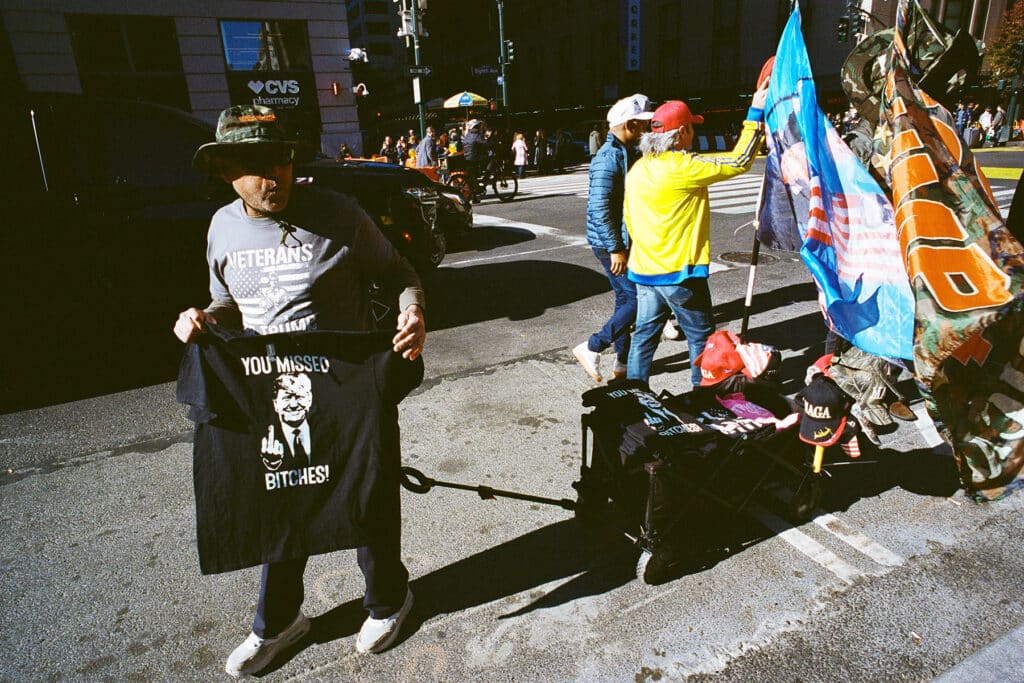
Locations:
843 29
509 52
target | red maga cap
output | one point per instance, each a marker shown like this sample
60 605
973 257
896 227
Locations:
672 115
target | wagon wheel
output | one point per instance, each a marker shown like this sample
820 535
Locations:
655 567
807 497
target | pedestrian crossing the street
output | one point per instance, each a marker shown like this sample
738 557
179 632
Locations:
737 196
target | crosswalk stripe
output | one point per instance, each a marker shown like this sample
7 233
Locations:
732 201
736 194
739 192
847 534
735 210
806 545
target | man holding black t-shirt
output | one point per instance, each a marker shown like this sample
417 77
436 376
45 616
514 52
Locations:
327 247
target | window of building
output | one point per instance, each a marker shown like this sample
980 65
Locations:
265 45
378 28
134 57
380 49
956 14
375 7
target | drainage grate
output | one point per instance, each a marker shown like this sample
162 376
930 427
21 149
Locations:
743 258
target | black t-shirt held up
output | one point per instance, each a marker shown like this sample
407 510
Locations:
297 444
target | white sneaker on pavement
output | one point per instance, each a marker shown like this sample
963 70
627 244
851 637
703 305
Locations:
377 634
590 360
618 370
671 331
255 653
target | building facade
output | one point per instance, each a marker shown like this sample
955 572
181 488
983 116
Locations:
581 55
200 56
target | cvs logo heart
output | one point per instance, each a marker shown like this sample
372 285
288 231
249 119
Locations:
256 86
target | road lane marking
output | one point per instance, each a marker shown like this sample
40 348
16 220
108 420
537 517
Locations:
733 201
858 541
806 545
1001 173
569 241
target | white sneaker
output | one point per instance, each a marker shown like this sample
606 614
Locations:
590 360
255 653
618 370
671 331
377 634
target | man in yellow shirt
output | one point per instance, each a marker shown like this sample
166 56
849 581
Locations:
669 220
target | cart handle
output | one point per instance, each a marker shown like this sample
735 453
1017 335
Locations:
417 482
819 455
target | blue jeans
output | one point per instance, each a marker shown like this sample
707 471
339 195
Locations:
616 330
690 301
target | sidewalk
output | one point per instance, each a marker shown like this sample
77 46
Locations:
100 576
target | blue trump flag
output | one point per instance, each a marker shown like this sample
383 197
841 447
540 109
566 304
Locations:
820 199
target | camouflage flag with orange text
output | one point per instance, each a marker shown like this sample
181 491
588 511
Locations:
967 274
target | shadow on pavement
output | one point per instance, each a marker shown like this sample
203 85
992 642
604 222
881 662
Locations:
598 559
514 290
489 237
93 353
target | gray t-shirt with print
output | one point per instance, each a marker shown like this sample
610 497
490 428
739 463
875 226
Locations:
307 268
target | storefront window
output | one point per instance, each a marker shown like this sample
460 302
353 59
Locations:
133 57
268 64
265 45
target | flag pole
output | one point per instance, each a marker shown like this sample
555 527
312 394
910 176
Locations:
754 255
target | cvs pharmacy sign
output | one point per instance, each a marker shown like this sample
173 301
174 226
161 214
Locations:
274 87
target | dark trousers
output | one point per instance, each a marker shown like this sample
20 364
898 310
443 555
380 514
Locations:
282 591
616 330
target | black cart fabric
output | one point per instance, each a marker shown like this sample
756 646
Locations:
296 446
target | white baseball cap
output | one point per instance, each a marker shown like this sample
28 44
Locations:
629 108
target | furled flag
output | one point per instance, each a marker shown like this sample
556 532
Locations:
967 273
820 199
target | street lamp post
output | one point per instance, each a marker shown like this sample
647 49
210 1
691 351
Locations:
502 58
416 59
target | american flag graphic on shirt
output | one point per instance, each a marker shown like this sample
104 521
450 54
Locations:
270 286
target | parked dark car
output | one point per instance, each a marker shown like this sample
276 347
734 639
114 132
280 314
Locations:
418 215
103 223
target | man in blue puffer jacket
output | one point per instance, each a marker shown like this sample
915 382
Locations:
627 121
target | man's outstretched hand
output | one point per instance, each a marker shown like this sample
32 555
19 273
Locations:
412 333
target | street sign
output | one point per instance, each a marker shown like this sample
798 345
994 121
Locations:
485 70
419 70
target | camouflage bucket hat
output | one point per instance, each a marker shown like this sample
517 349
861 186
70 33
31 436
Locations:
244 124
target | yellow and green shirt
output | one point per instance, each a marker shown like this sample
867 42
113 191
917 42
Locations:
666 208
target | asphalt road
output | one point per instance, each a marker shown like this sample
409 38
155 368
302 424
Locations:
898 577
